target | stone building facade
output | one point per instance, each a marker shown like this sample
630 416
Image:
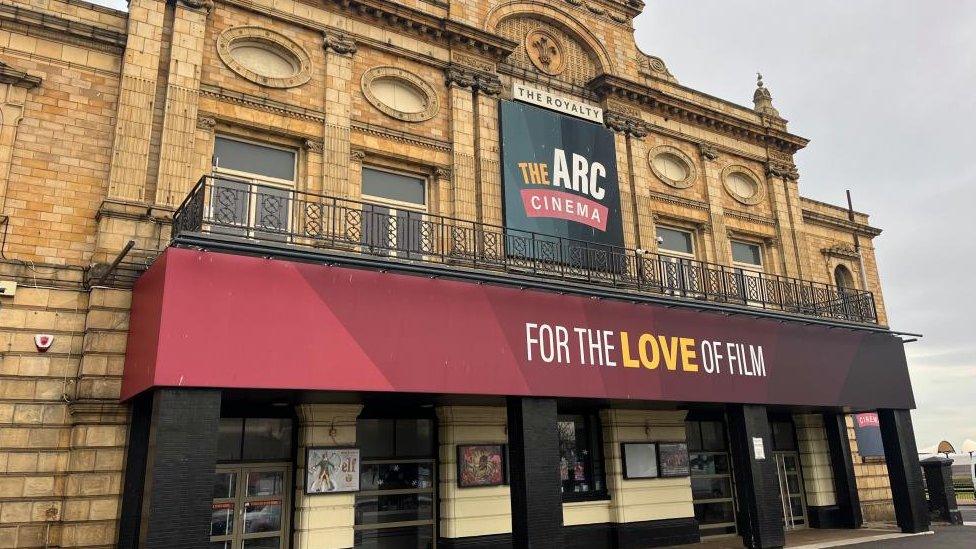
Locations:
108 120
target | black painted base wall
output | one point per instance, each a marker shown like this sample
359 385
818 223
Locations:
633 535
826 517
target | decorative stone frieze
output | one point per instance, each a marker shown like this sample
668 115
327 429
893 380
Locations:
206 123
708 152
845 251
10 75
312 145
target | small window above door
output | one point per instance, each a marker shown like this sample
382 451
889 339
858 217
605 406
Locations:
745 253
675 241
394 187
252 160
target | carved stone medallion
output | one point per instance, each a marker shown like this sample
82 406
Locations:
545 52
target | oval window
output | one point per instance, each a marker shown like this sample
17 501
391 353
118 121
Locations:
263 59
671 167
399 95
741 185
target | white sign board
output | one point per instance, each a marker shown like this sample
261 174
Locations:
557 103
758 449
331 470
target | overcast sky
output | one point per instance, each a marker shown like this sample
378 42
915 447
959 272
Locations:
886 91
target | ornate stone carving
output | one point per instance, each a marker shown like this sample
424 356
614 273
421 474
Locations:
338 43
206 123
545 51
786 171
625 124
264 57
846 251
357 155
400 94
708 152
203 5
486 83
312 145
651 65
442 173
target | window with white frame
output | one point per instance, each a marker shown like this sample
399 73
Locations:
393 218
747 255
675 242
253 187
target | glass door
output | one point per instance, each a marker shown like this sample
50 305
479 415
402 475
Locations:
791 489
396 506
250 507
712 482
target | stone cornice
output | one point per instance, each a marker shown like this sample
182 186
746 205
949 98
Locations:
751 217
675 107
262 103
622 123
10 75
401 137
845 251
62 26
838 223
678 200
395 14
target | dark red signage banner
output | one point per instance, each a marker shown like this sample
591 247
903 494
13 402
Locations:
204 319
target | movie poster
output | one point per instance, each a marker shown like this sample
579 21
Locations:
332 470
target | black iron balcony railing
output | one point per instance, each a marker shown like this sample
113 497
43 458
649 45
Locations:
227 206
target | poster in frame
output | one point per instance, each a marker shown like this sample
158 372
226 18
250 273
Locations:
639 460
481 465
331 470
672 459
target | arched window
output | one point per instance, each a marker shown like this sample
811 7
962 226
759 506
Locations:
843 277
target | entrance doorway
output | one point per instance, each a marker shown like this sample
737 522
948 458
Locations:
787 458
712 482
249 509
791 489
396 506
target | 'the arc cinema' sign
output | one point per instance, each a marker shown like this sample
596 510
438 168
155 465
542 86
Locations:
559 175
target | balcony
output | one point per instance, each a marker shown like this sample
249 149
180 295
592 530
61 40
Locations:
258 218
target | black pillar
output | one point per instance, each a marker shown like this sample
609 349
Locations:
180 457
904 471
537 507
135 471
842 467
760 509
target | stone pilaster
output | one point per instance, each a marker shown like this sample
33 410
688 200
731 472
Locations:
466 512
324 521
444 184
784 194
133 121
818 477
466 86
175 176
635 204
489 166
339 51
718 244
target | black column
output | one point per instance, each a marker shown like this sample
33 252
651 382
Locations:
135 471
904 471
180 461
842 467
537 507
760 509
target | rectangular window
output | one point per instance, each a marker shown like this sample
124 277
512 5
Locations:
581 457
254 439
675 241
252 159
252 190
746 253
394 187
